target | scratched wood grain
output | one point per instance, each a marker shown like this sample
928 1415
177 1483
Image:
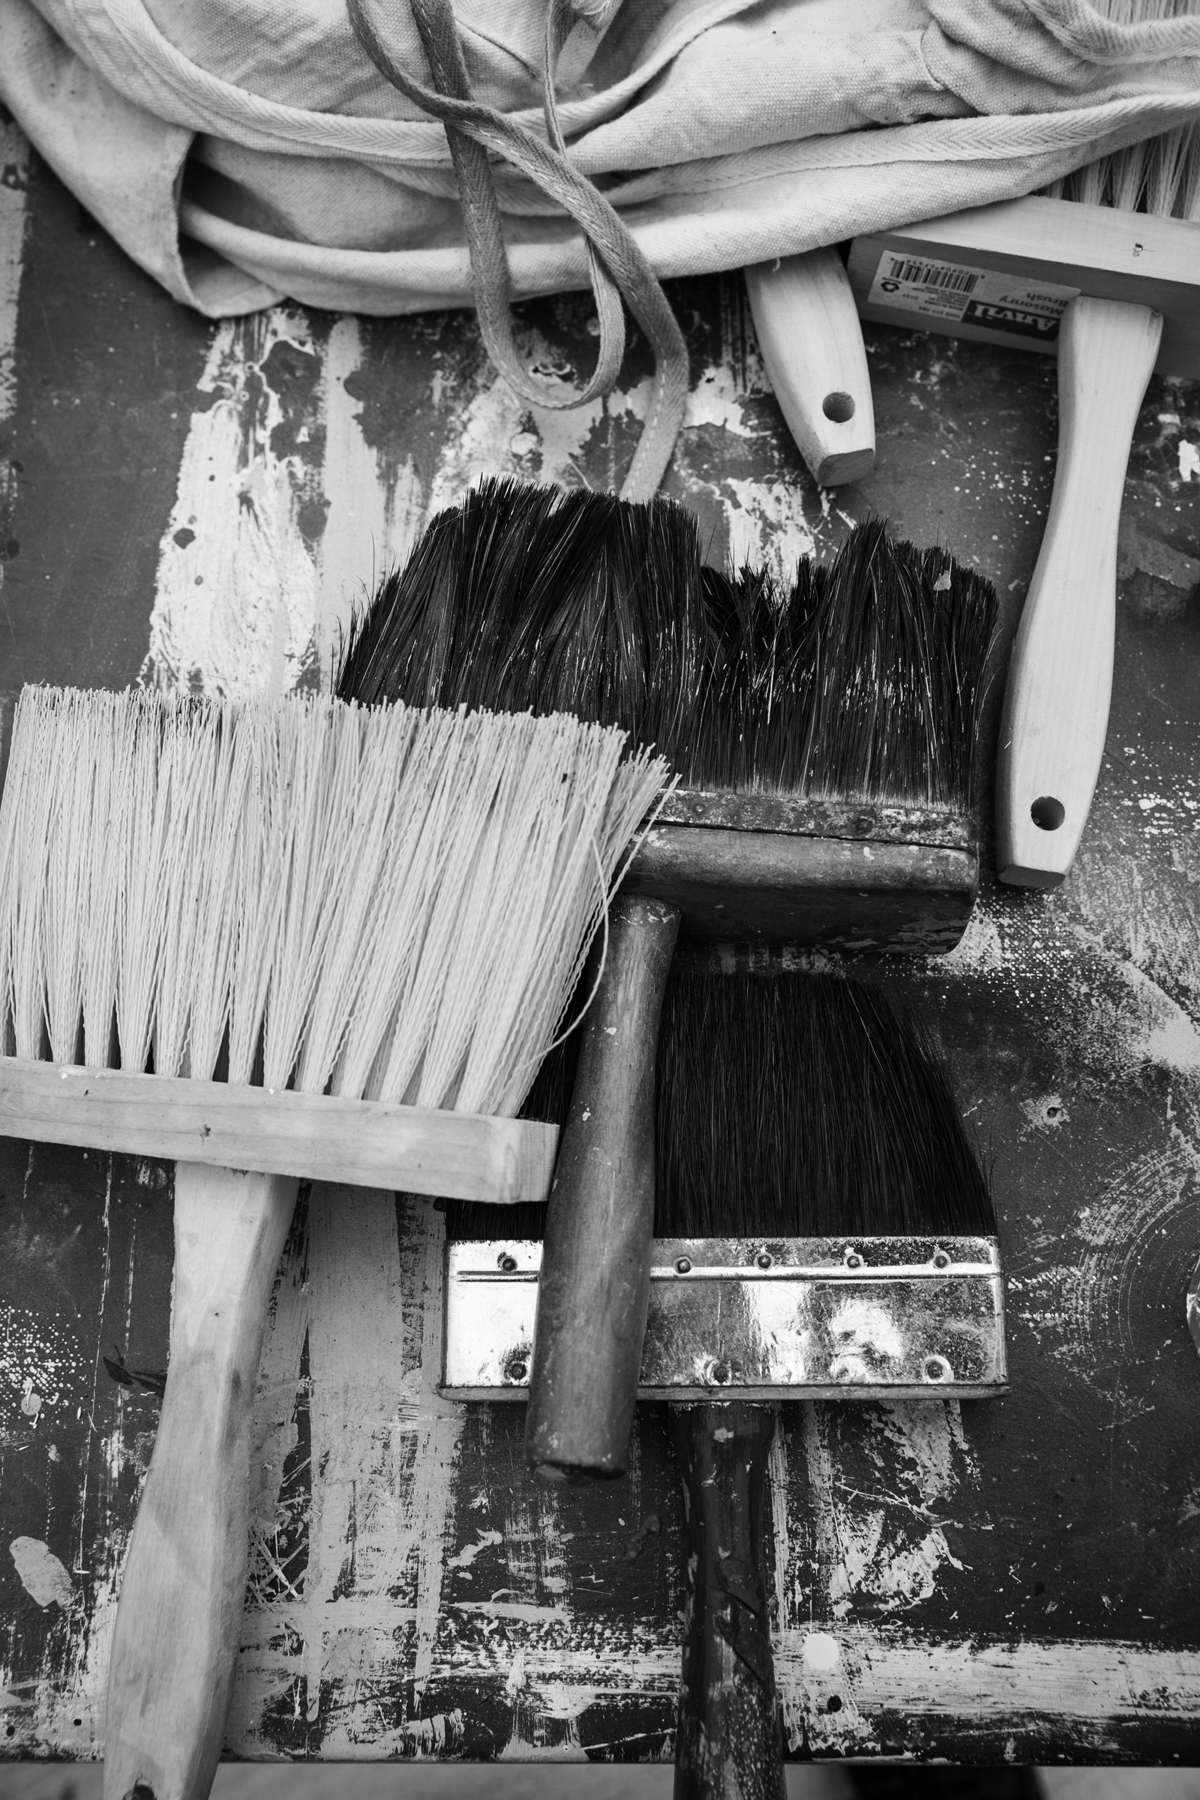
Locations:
203 506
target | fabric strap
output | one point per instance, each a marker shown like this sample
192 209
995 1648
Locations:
619 270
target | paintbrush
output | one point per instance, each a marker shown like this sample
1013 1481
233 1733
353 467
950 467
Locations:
367 924
1105 270
825 740
823 1230
812 348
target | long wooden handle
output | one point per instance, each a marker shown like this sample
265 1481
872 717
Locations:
594 1285
729 1744
811 342
180 1609
1060 678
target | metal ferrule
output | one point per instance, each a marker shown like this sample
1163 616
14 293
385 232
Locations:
758 1318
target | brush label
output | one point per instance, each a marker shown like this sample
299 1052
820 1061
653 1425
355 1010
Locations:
930 289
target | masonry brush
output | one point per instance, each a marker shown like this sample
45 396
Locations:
822 1230
1105 269
275 940
824 736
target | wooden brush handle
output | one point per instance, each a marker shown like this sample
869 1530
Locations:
811 342
729 1745
594 1285
1060 678
180 1610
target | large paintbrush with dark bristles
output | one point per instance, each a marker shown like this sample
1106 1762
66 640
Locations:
823 734
822 1230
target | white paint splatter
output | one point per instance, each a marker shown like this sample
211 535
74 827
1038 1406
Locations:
469 1552
1189 460
235 610
767 524
718 399
384 1463
878 1486
821 1653
38 1357
373 516
1019 1680
1153 1026
513 1609
980 950
498 433
41 1573
1045 1112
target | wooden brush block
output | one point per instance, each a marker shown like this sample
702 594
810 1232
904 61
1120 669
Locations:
819 873
1055 248
322 1137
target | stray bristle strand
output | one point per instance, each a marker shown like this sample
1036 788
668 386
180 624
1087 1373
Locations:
860 682
798 1105
253 859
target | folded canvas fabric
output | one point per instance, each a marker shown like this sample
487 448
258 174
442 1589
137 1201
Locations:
392 156
243 150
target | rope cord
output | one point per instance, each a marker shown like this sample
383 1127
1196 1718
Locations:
619 268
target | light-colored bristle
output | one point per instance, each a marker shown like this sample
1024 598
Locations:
1141 12
1158 175
391 902
140 896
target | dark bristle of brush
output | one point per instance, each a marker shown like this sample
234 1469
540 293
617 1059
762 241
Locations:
861 682
537 599
798 1105
864 682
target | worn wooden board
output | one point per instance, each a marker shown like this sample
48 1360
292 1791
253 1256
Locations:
1013 1579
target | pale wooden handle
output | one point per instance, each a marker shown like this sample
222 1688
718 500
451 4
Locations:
1060 678
811 342
180 1609
367 1143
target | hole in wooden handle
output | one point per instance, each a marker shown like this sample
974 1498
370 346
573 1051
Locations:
1047 813
838 407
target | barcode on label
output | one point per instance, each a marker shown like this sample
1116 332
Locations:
935 275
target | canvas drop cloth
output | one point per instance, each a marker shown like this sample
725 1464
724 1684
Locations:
245 150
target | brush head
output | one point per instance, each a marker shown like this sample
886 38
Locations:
805 1106
861 681
391 904
823 1228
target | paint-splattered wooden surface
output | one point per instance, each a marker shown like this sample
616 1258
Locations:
202 505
